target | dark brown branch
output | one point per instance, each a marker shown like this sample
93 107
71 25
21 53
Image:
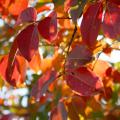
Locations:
72 38
69 44
96 60
64 18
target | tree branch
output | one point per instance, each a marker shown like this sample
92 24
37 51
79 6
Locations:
69 45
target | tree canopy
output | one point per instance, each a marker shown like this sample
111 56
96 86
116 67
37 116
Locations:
50 59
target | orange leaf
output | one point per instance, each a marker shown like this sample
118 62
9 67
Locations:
17 6
16 77
43 8
98 68
76 107
35 63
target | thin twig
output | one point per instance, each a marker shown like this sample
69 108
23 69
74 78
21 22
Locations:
69 44
64 18
57 18
96 60
72 38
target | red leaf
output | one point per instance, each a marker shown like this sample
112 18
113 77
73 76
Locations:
80 55
7 117
83 81
16 77
12 76
28 15
115 1
48 27
91 22
116 76
11 57
111 21
59 112
41 86
5 3
18 6
3 66
28 40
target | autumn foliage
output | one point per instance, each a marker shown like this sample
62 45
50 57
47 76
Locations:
52 49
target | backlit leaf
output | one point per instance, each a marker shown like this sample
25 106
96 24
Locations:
98 68
22 69
28 40
16 77
35 63
18 6
11 57
111 21
91 22
9 77
43 8
28 15
1 82
83 81
4 3
48 27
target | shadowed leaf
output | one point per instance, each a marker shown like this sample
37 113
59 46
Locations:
28 15
28 40
48 27
59 112
111 21
80 55
41 86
